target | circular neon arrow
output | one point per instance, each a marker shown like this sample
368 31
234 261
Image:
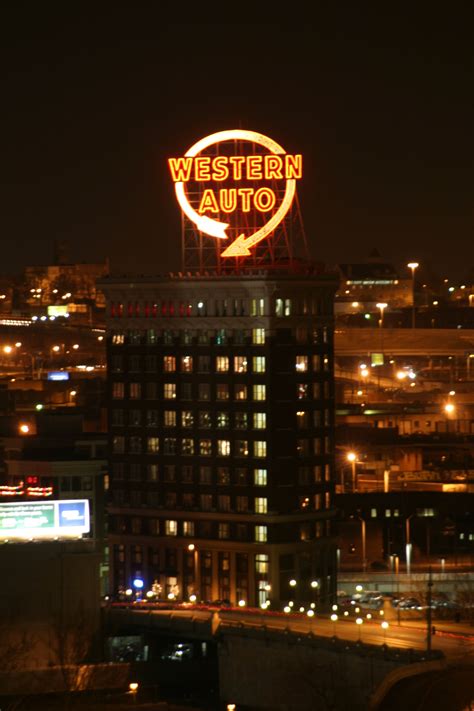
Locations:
215 228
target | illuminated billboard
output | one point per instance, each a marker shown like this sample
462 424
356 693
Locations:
44 519
58 375
238 183
58 310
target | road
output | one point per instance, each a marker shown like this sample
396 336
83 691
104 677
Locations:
457 646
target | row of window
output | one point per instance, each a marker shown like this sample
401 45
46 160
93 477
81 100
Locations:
280 307
188 446
210 529
169 473
209 391
187 364
220 364
221 502
206 476
167 558
208 337
204 419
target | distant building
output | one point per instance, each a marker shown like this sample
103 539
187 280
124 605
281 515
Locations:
363 285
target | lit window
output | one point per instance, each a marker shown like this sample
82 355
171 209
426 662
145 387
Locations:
171 528
153 445
169 364
241 448
188 528
259 448
240 364
222 391
222 364
261 562
223 476
222 420
187 364
373 513
223 447
258 364
118 391
205 447
302 391
261 534
240 420
261 505
257 307
204 391
260 477
301 363
223 530
259 420
388 513
258 336
135 391
187 419
204 419
152 472
279 307
169 418
240 392
259 392
169 391
187 446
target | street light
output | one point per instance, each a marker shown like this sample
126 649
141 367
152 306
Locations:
384 625
359 622
334 619
381 305
352 458
413 266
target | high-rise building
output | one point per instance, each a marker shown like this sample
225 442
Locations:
221 426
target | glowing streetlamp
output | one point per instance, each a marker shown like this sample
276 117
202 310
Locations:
381 306
334 619
384 625
413 266
359 623
352 458
450 408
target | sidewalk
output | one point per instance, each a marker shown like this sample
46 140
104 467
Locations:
463 629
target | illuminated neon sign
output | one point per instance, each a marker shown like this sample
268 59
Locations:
213 189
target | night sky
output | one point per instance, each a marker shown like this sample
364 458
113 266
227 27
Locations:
92 105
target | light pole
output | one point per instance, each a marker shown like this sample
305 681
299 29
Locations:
352 458
413 266
363 537
384 625
334 619
359 622
408 547
382 306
